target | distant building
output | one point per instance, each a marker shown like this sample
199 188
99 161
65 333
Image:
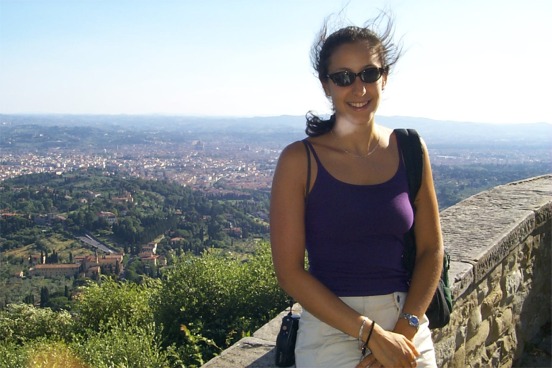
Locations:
148 256
234 232
198 145
149 259
55 270
177 240
109 217
88 266
37 259
150 248
125 198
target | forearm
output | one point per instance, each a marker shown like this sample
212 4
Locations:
425 279
321 302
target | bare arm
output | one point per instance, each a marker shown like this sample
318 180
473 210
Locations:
429 251
287 238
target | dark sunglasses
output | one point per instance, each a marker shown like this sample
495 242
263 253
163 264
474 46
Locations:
346 78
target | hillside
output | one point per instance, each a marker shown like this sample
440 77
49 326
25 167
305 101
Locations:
47 213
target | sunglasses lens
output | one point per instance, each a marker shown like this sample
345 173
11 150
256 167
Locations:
343 79
370 75
346 78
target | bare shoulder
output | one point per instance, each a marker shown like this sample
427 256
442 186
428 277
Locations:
293 153
291 169
384 131
384 134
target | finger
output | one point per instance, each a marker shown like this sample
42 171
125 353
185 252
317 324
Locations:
367 362
413 362
413 348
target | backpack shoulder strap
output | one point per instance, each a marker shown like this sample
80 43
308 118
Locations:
410 147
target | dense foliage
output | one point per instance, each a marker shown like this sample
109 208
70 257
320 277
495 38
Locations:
74 202
454 183
200 306
46 213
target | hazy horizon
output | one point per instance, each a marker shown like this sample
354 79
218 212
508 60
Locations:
232 117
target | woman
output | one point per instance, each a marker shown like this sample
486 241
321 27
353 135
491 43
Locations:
357 296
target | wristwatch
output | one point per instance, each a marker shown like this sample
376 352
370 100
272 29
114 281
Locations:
412 320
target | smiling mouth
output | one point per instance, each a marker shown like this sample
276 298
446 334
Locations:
359 105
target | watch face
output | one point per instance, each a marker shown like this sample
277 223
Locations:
412 320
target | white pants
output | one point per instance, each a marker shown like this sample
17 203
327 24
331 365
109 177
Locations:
319 345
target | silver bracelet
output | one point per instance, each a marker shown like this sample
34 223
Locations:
360 342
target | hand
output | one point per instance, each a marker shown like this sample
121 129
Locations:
390 349
369 361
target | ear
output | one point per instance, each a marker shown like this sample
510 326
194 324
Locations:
383 81
326 87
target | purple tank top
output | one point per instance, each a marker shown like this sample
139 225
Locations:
354 233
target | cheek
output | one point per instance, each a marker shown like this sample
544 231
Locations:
377 88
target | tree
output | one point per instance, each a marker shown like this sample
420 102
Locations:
22 323
29 299
114 302
242 295
44 296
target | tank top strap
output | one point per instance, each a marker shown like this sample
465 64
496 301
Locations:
311 149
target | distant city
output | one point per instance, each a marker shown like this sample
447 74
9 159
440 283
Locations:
197 164
220 154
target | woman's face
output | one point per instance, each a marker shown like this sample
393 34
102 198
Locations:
359 101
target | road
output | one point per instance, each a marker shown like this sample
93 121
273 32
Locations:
94 243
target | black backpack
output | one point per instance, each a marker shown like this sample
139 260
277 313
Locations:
410 147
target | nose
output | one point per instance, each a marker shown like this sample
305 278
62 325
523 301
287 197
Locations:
359 87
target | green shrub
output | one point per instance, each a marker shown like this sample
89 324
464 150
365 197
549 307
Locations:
120 346
124 302
201 306
50 354
218 299
12 355
39 353
21 323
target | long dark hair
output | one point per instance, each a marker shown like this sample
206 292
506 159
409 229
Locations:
379 32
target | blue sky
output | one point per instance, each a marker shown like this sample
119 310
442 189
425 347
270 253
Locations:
470 60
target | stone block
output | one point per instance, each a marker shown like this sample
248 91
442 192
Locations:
474 322
459 359
444 350
508 349
248 352
502 325
270 330
492 355
461 274
512 282
476 343
491 303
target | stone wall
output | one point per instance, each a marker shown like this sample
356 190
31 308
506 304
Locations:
500 246
500 243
